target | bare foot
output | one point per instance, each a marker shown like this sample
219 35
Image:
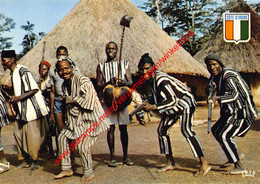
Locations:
87 177
167 167
64 174
203 170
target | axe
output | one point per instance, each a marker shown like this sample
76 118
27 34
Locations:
125 22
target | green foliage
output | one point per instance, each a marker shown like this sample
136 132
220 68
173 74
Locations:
30 39
6 24
177 17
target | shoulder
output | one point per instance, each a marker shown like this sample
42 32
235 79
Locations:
229 73
22 69
81 78
161 77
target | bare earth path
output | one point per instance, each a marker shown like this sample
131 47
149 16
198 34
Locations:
144 150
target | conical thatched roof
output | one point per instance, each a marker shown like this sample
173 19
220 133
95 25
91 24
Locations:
93 23
243 57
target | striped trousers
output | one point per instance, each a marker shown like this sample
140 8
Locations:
186 128
65 148
225 129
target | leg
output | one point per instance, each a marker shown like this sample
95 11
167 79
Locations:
2 155
22 155
59 120
64 151
111 145
35 134
111 140
164 141
4 165
85 157
124 141
191 137
226 129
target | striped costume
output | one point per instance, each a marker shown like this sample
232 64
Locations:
29 130
110 70
238 111
79 118
174 101
3 117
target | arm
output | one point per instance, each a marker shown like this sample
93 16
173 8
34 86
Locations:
87 97
15 99
52 97
128 82
231 92
168 95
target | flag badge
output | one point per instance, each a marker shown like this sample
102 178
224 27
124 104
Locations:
237 27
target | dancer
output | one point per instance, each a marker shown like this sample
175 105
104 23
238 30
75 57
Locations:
83 110
237 109
174 101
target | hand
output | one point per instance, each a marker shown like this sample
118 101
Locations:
7 87
215 98
69 100
121 82
149 107
51 118
14 99
113 80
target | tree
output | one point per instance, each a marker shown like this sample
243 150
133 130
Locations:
30 39
6 24
179 16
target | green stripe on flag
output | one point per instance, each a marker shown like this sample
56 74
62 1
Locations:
244 30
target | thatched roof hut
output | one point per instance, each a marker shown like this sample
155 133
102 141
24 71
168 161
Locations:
242 57
91 24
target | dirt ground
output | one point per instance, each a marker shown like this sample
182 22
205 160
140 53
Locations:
144 151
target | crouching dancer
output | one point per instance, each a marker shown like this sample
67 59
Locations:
83 109
174 101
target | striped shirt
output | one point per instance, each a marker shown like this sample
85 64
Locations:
109 70
3 111
171 95
32 107
87 111
235 96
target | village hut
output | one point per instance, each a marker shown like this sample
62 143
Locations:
242 57
91 24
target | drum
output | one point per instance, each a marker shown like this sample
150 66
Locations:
118 97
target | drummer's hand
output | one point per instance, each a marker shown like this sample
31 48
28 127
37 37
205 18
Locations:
121 82
113 81
149 107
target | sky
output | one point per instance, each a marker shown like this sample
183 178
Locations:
44 14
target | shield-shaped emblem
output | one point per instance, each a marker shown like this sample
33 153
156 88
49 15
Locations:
237 27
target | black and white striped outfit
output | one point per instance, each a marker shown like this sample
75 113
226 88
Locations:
3 117
109 70
174 101
79 118
237 114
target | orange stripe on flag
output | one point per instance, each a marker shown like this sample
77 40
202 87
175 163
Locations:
229 30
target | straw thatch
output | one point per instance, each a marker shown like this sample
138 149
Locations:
242 57
93 23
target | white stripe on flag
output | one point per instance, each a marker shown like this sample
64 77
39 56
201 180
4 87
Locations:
236 28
